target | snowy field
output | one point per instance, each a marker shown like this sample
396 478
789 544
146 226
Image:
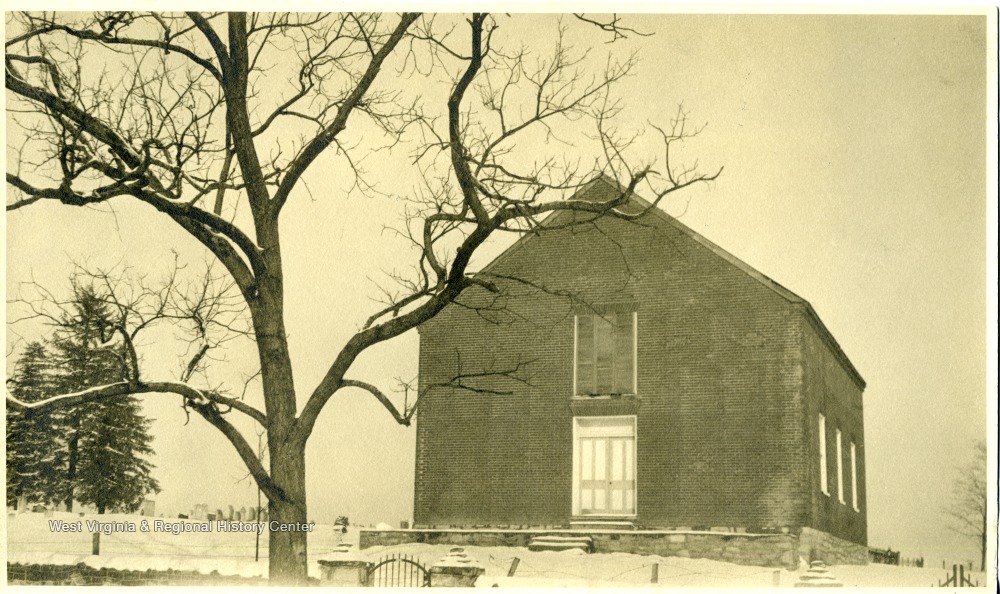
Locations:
31 541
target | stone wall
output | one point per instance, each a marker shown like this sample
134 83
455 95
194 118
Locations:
768 550
484 538
83 575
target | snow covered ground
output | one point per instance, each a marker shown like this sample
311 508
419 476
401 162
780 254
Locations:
31 541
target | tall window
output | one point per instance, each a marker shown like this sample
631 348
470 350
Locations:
605 354
822 455
840 470
854 478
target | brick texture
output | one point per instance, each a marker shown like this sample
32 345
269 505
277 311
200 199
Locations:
731 373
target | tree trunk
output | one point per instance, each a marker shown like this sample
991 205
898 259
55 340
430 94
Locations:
288 559
73 447
982 544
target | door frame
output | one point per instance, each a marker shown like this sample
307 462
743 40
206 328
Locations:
575 503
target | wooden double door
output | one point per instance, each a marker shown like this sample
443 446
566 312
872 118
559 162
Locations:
605 466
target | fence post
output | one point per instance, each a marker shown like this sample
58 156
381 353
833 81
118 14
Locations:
656 574
95 547
776 578
513 567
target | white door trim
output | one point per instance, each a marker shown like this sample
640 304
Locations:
629 429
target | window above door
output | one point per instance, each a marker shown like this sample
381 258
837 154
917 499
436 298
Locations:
605 353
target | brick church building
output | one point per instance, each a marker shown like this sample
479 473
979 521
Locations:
634 377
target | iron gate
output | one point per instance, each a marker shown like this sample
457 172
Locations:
398 571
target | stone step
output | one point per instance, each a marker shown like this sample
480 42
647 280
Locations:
597 524
561 543
818 576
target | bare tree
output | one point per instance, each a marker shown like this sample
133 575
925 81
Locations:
214 120
968 506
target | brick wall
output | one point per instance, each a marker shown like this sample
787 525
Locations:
830 389
720 435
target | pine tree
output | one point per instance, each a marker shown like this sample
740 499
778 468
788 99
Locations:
97 453
114 473
108 443
33 438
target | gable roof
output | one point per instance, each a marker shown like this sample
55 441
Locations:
610 183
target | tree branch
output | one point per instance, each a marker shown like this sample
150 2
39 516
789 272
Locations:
460 165
401 418
213 39
177 211
166 46
211 414
324 139
87 122
104 392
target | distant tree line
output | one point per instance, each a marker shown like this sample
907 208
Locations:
968 506
96 454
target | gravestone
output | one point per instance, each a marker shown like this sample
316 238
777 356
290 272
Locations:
229 516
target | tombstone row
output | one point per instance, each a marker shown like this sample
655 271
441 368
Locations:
243 514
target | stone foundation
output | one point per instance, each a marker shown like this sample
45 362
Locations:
767 550
816 544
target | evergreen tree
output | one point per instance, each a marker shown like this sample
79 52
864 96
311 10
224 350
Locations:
105 459
114 473
33 438
96 453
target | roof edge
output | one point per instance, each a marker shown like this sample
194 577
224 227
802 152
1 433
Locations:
827 337
760 277
584 187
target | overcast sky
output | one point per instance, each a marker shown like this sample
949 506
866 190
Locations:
855 175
